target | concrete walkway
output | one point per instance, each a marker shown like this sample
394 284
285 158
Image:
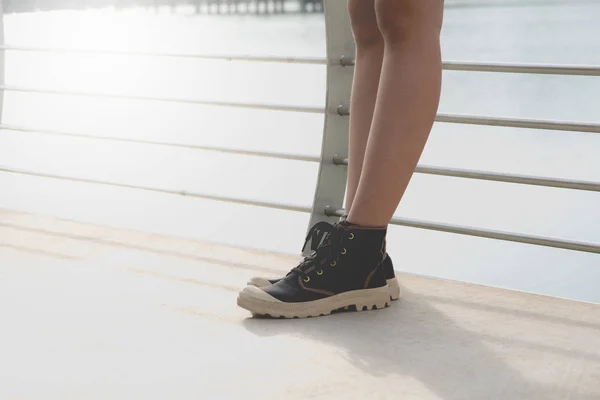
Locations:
90 312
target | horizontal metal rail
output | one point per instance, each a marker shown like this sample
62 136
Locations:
256 106
441 171
520 123
491 234
538 69
254 203
501 177
217 57
342 110
508 122
422 169
282 156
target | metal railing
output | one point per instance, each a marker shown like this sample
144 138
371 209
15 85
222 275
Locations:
331 182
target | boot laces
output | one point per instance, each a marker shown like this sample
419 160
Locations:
325 242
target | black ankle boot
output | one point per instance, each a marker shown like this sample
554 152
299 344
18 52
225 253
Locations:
315 237
344 271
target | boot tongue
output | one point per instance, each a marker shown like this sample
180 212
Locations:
323 238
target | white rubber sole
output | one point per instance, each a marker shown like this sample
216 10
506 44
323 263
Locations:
258 302
393 285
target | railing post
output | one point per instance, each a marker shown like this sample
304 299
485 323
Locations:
2 59
331 182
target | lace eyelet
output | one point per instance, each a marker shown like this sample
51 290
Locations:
320 272
351 236
307 279
344 251
333 264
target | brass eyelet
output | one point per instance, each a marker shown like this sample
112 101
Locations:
351 236
320 272
307 279
333 264
344 251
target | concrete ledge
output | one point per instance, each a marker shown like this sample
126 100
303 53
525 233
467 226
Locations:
94 312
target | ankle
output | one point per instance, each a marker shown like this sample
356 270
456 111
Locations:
358 225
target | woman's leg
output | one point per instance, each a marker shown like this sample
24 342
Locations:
407 102
347 271
369 57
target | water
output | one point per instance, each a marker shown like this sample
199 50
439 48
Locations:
537 33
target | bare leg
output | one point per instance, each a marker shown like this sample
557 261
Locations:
369 58
407 102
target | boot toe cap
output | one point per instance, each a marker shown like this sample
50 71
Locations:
253 292
259 282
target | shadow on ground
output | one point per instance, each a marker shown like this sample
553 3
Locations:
414 338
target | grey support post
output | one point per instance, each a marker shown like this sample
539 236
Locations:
2 59
331 182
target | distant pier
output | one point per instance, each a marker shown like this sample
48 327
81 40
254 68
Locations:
200 6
